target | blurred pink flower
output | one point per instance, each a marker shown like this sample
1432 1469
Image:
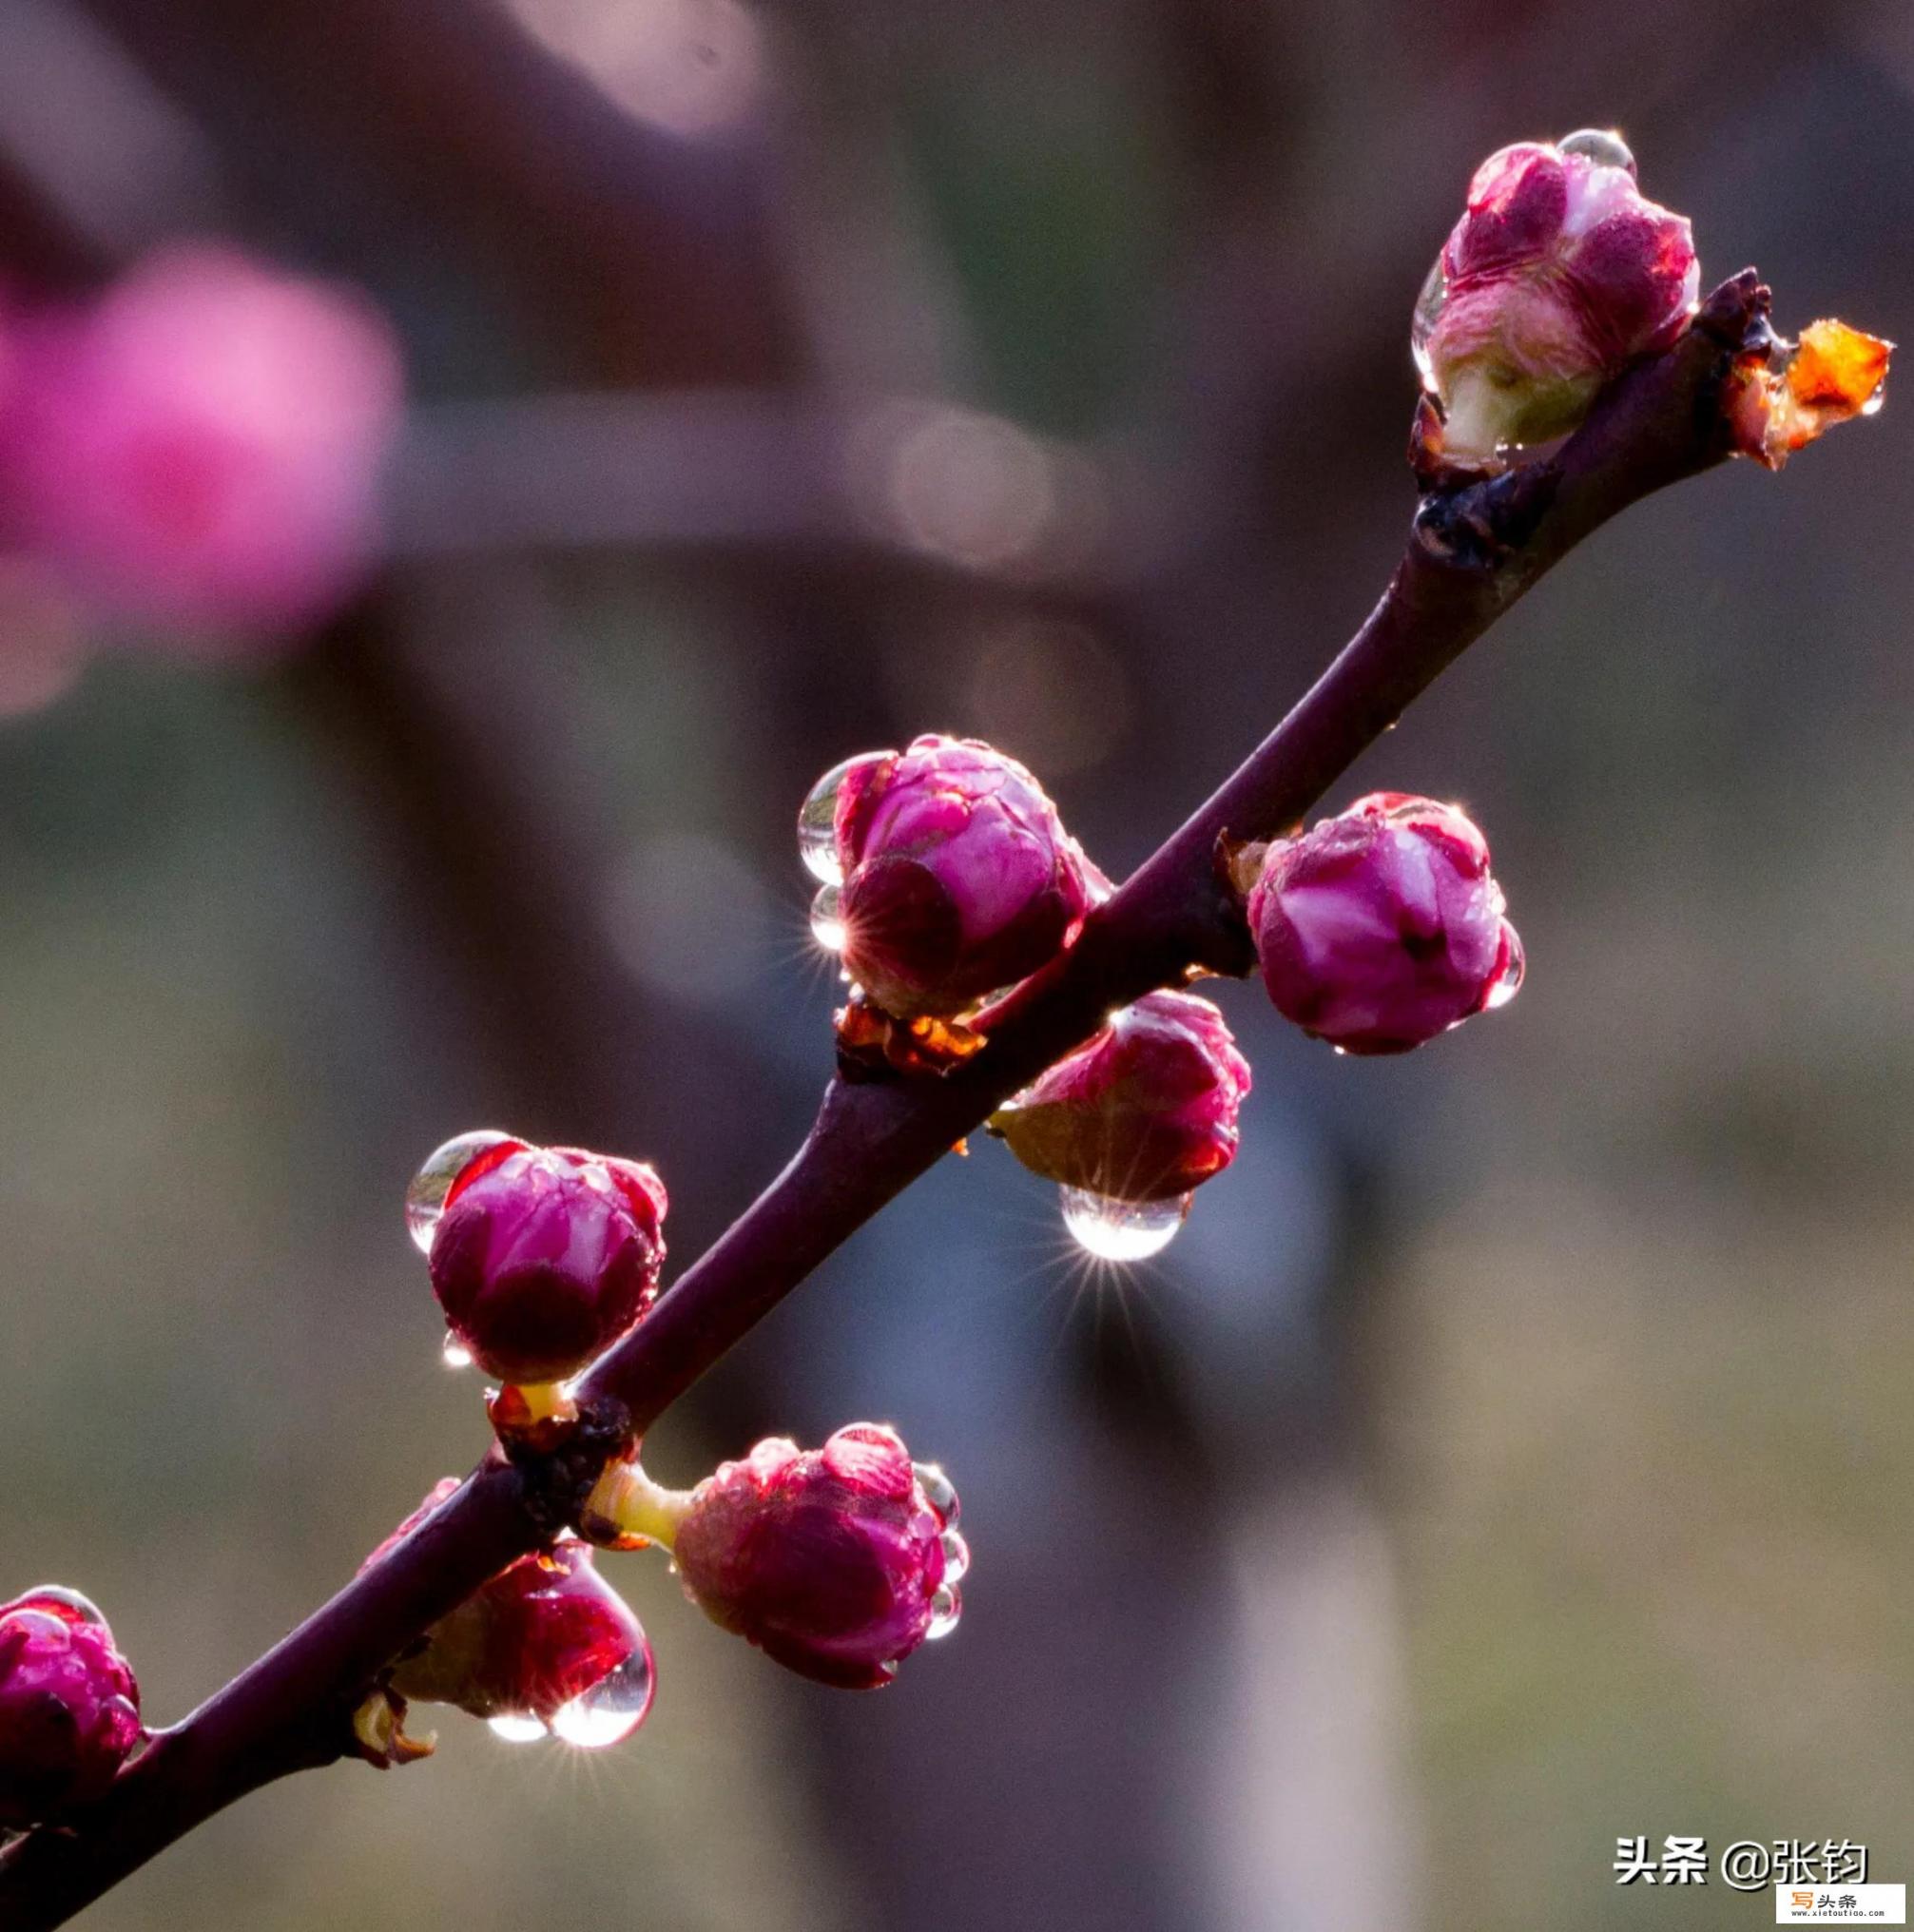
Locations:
42 641
200 447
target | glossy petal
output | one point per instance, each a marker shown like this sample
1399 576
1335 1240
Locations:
1382 927
1558 274
69 1707
546 1258
828 1559
1145 1111
959 877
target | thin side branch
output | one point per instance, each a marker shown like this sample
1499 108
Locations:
1471 553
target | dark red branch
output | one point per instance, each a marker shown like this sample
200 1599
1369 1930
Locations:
1471 553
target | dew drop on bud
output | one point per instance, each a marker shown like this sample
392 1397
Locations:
939 1492
425 1197
518 1727
956 1558
1602 145
817 823
1508 982
1121 1230
946 1607
612 1709
1429 305
82 1607
455 1354
827 922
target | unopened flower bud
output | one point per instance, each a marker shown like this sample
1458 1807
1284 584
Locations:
1144 1112
958 878
1382 927
838 1562
546 1647
69 1705
544 1257
1558 274
201 447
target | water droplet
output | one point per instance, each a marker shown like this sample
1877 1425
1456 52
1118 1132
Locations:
82 1607
1508 982
879 1435
828 923
455 1354
817 822
946 1607
1121 1230
1421 324
939 1492
1600 145
518 1727
612 1709
956 1558
425 1197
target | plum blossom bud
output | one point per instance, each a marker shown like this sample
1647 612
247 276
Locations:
1558 274
69 1705
1380 928
958 878
1144 1112
546 1646
543 1257
200 448
838 1562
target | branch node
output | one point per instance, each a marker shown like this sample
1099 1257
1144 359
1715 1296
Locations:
556 1480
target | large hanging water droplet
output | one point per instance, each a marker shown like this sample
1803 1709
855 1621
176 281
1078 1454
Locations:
817 822
1121 1230
455 1354
956 1558
520 1726
946 1607
425 1197
1508 982
827 920
939 1492
612 1709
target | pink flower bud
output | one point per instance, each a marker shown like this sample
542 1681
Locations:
1558 274
543 1257
1145 1111
836 1562
69 1705
546 1645
1382 927
201 447
958 878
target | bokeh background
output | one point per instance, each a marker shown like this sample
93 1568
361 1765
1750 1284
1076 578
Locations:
1512 1454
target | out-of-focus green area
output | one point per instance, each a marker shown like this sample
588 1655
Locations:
1512 1455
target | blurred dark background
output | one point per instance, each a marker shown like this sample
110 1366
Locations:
1511 1454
